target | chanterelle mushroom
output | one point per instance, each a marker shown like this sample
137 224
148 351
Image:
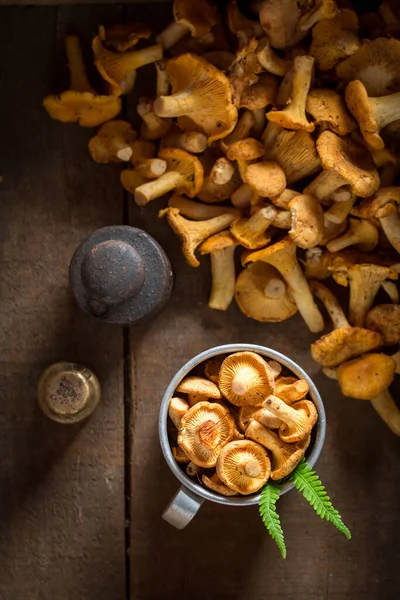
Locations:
361 233
385 318
367 376
262 294
221 248
198 211
376 64
80 102
335 39
215 484
344 342
285 457
307 221
280 20
177 408
328 108
383 205
365 281
118 69
198 389
252 233
294 115
265 178
184 174
123 36
345 163
192 233
297 419
197 17
291 389
246 378
243 466
282 256
372 114
113 142
201 92
383 402
204 431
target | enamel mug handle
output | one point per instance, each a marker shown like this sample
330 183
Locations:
182 508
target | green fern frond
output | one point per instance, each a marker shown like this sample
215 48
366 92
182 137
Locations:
308 483
270 517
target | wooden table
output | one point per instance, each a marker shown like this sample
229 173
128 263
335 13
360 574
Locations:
80 506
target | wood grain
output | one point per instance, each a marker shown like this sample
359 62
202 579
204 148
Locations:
61 487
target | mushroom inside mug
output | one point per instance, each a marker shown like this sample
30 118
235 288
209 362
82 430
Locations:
211 435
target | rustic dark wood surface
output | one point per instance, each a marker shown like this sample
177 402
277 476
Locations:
62 530
62 504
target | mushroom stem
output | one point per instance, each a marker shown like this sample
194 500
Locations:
327 9
79 81
259 124
176 105
358 233
283 220
241 131
251 468
154 189
339 211
391 228
269 136
264 436
270 60
275 289
283 411
223 278
171 35
396 358
385 109
151 168
325 184
222 171
294 115
192 233
241 198
192 141
332 306
386 408
282 201
153 126
342 194
392 291
362 294
162 78
124 151
199 212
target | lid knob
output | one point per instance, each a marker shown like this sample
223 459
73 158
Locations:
113 272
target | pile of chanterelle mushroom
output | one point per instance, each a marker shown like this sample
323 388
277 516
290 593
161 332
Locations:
273 134
241 423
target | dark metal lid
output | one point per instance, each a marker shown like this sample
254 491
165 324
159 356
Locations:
120 274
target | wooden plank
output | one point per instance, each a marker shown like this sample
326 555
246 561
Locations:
61 487
225 552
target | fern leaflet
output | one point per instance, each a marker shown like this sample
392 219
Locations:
270 517
307 482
